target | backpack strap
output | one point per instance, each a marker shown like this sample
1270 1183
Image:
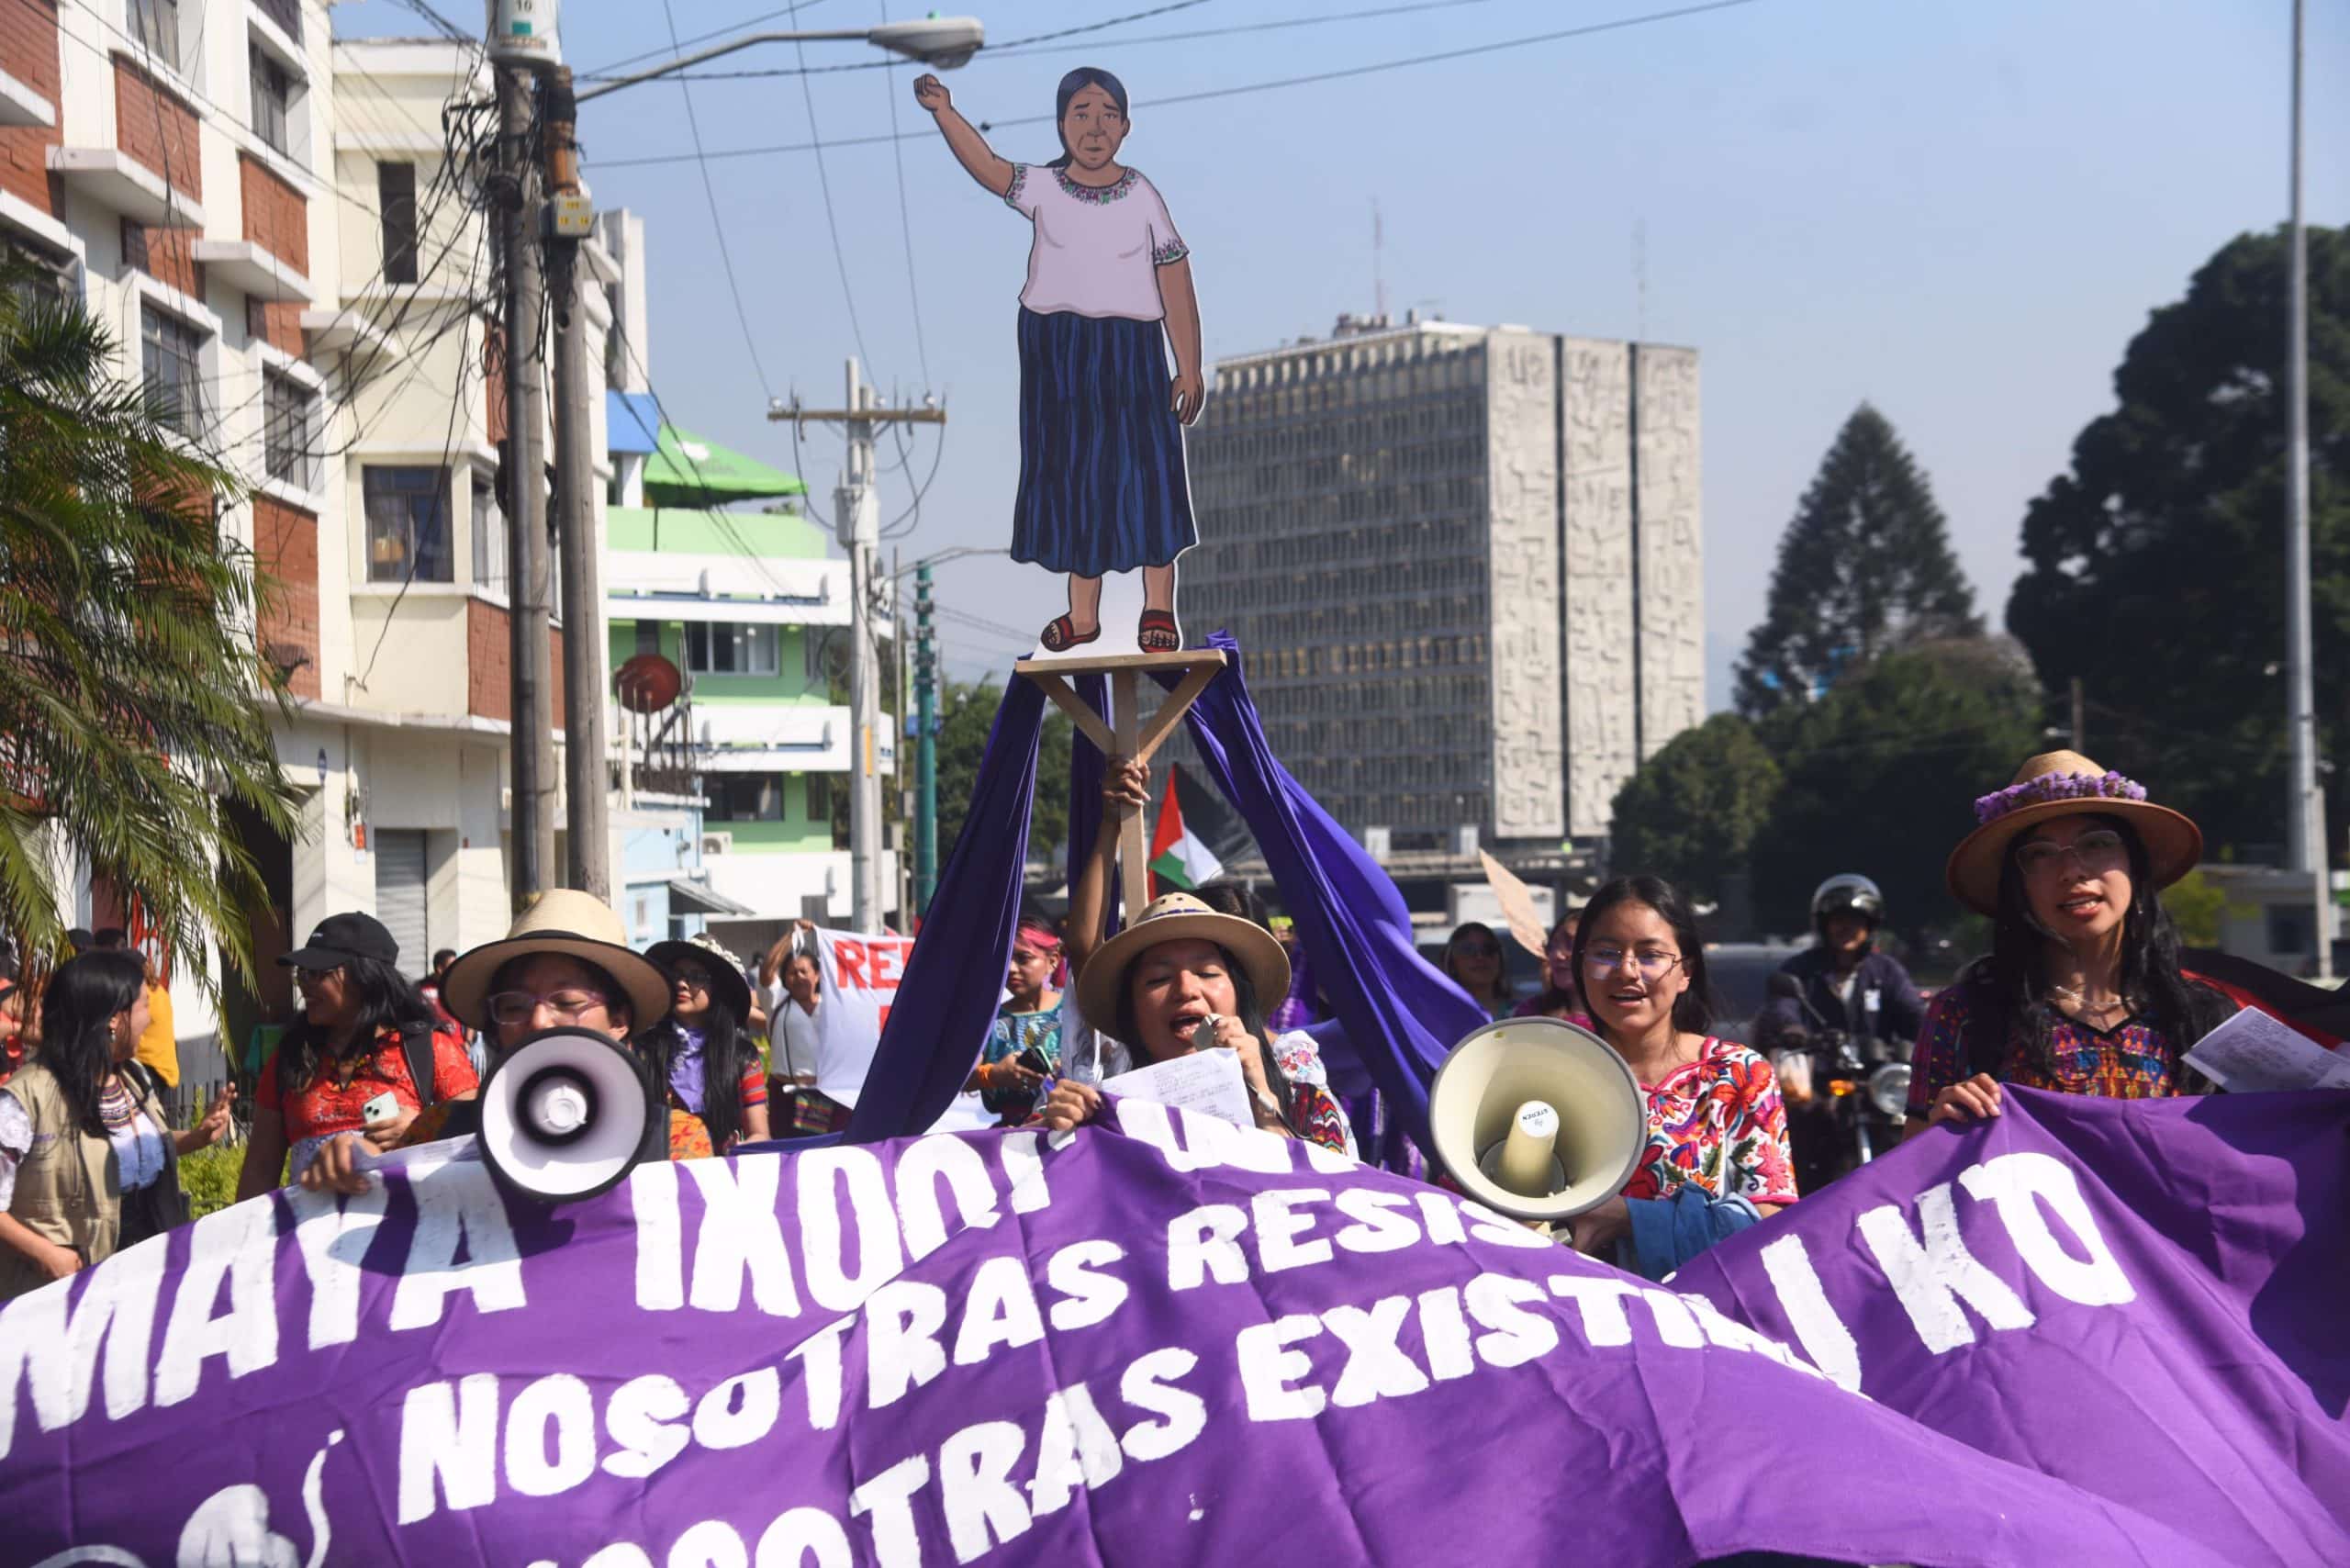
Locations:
417 1045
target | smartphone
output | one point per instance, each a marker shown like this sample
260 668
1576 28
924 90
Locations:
382 1108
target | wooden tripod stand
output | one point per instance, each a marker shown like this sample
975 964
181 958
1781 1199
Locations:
1132 737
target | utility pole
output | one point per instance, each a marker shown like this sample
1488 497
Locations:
2306 848
856 514
587 864
925 743
530 740
2080 729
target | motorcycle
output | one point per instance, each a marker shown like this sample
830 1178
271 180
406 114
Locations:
1858 1084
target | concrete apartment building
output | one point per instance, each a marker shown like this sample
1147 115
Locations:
1466 566
265 219
748 606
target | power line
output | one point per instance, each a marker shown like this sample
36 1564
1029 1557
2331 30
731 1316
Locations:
1343 73
442 24
677 45
906 222
831 223
718 223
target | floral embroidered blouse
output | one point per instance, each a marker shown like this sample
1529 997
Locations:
2133 1060
330 1103
1718 1123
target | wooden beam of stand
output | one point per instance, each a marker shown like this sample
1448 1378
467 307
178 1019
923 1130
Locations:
1134 852
1089 723
1178 702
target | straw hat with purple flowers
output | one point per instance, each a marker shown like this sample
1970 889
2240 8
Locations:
2064 784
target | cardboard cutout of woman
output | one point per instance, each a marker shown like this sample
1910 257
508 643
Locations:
1103 486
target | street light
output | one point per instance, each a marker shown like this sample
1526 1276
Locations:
945 42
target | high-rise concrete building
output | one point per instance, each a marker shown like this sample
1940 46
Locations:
1465 564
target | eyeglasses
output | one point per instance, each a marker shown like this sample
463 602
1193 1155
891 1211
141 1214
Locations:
2099 849
1478 949
564 1006
1648 966
693 980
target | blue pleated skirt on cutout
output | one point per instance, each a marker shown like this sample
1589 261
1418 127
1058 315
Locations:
1102 487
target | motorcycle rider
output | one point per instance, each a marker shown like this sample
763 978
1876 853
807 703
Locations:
1847 985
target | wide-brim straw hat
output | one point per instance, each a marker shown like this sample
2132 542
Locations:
1179 917
2065 784
576 926
727 985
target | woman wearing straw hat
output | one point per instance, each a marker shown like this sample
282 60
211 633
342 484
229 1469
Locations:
2082 992
565 963
1182 978
704 1051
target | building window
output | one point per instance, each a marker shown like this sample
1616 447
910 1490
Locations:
722 647
156 24
286 14
648 636
820 797
396 200
742 797
2288 929
289 429
171 356
39 275
407 525
273 100
489 539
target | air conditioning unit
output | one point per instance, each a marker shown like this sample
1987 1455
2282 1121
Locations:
718 843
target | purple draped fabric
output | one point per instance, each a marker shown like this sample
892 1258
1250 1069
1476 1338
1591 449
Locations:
1401 1015
948 999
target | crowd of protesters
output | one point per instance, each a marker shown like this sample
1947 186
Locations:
2082 992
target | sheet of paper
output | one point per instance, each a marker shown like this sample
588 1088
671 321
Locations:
2252 1053
1206 1080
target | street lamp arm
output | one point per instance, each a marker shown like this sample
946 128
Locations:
731 45
943 42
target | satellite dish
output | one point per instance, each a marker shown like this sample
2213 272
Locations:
647 683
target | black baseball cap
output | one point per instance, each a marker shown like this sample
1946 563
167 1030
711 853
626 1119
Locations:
340 938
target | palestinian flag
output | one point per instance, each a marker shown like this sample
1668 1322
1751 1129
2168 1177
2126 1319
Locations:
1178 857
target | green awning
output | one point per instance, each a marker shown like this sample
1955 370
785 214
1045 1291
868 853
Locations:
690 472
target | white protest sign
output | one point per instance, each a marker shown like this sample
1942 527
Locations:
860 982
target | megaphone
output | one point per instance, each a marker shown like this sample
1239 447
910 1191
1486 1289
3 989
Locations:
1538 1118
565 1115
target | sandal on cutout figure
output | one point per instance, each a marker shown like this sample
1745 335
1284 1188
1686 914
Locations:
1062 635
1157 634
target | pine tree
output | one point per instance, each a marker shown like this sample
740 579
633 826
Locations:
1865 567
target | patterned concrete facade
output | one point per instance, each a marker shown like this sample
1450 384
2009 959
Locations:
1466 565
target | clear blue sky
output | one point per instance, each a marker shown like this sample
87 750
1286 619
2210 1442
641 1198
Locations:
1961 213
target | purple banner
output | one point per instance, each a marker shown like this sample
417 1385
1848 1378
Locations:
1171 1340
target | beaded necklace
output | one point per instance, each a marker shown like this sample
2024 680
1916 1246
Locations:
117 1106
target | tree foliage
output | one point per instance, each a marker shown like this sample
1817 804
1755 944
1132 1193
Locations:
135 702
1880 778
966 715
1864 565
1691 812
2156 562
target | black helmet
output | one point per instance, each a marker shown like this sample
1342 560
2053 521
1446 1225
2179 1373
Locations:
1847 894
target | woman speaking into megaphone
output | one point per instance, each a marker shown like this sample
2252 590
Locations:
1716 1158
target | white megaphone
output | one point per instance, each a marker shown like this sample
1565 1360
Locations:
564 1115
1536 1119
